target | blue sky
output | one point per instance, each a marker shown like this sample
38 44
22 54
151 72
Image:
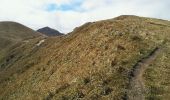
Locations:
65 15
72 6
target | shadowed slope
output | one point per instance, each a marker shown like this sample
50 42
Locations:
12 32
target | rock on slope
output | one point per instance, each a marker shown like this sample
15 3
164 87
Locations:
97 61
49 31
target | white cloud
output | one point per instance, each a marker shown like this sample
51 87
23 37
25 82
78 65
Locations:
33 14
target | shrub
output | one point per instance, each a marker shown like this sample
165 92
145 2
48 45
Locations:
119 47
106 90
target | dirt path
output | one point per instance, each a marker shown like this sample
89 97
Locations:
136 86
40 42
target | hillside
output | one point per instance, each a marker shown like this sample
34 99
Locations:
12 33
124 58
49 31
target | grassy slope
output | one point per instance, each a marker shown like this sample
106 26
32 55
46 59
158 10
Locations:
92 62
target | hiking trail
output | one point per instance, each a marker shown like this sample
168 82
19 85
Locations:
136 86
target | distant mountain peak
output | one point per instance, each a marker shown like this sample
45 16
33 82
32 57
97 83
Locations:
49 31
46 27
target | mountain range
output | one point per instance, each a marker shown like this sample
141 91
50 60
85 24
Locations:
123 58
